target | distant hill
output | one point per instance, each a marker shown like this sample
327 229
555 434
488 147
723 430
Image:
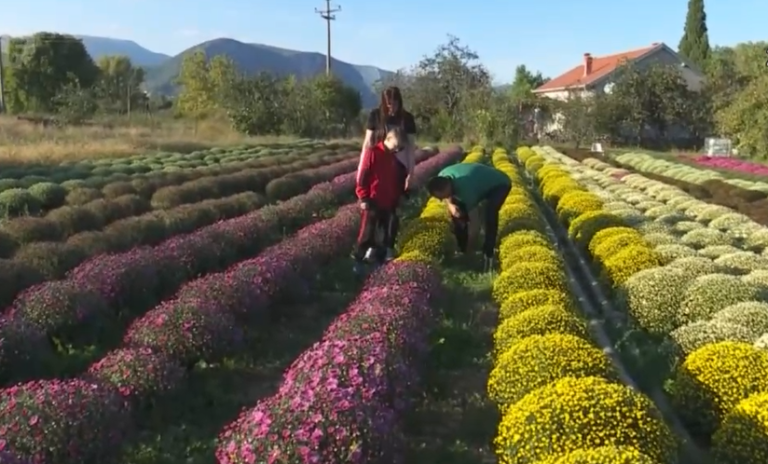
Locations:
254 58
101 46
162 69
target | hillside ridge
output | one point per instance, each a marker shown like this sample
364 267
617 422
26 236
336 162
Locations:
250 58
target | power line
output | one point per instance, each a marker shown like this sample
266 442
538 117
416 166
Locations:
328 15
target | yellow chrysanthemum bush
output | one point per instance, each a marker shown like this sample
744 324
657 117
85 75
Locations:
743 434
603 455
575 413
575 203
538 360
621 252
584 227
428 238
713 379
551 383
519 302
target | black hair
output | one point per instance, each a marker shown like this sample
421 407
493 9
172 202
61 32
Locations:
438 184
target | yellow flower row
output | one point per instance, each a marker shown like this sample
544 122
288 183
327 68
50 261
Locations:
721 388
428 238
556 391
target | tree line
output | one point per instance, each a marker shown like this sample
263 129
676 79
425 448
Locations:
51 73
450 92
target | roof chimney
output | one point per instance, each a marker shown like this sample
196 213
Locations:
587 64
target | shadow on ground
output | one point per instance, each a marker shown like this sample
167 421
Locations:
455 423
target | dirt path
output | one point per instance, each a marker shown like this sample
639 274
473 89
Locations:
455 423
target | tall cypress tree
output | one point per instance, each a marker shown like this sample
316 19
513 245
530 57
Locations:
695 42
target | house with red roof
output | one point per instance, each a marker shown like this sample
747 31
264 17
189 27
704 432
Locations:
594 73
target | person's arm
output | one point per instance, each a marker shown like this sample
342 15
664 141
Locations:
410 146
370 127
363 185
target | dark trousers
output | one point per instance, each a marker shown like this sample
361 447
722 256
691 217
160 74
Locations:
494 200
372 221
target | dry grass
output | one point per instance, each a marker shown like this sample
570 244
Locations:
22 142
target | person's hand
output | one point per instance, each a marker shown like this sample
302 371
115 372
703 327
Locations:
407 182
454 210
365 205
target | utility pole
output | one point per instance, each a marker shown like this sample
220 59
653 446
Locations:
2 80
328 15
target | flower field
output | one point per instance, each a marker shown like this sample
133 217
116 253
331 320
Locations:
630 325
685 305
149 314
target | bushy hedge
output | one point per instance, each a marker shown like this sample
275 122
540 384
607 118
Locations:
353 387
557 392
39 261
198 324
704 302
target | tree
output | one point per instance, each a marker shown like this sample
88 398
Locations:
524 83
577 116
42 66
255 105
694 45
204 85
746 118
444 89
340 104
119 87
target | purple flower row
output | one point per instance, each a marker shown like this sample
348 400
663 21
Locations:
96 292
89 416
342 400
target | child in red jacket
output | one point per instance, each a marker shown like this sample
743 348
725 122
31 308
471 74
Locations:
380 184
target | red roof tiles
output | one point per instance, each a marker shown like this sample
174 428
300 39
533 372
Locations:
598 66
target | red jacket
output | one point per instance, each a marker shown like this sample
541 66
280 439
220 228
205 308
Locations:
378 178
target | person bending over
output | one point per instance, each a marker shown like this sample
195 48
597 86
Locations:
463 187
378 190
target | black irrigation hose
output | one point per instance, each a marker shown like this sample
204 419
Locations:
590 297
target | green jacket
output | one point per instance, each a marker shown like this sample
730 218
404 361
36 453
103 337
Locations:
472 182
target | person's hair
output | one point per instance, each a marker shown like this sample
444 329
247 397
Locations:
389 96
438 184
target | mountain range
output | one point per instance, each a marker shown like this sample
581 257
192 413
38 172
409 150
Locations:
251 58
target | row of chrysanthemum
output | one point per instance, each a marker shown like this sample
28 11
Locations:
367 362
706 312
712 229
559 395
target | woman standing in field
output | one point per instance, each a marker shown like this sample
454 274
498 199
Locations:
391 114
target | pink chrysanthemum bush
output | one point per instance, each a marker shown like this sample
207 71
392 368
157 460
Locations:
7 457
329 411
60 308
187 331
342 401
140 374
63 421
23 350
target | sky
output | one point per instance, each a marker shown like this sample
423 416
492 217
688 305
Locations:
393 34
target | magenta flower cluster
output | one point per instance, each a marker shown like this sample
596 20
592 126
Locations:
79 420
135 280
732 164
343 400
